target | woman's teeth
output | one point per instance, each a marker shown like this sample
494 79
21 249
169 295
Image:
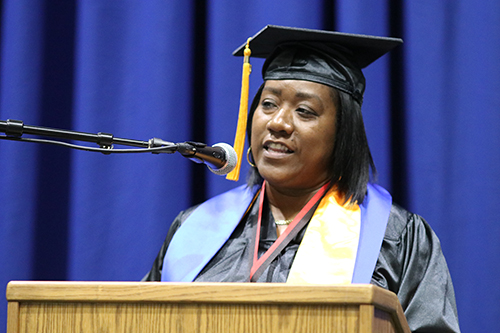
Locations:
278 147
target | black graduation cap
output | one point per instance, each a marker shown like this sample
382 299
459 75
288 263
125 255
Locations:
365 48
327 57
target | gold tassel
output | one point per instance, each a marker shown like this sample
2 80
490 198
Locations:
239 140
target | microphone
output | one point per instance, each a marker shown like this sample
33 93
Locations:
220 158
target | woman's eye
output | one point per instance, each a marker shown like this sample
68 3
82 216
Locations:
268 105
306 112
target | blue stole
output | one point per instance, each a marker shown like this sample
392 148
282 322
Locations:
210 225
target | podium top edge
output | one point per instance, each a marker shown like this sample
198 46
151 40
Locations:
198 292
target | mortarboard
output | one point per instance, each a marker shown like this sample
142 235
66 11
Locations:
327 57
365 48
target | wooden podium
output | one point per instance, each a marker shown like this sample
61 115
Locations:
200 307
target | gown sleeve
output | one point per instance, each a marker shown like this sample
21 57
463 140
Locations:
155 273
412 265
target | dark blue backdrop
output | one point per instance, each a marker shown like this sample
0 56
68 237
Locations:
143 69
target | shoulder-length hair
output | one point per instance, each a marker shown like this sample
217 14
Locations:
351 160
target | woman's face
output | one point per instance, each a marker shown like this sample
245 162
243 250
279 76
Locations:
293 131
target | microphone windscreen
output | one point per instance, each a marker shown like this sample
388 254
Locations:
231 159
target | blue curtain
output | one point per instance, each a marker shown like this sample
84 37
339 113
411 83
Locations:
143 69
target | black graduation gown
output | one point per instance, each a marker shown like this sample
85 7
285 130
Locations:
410 264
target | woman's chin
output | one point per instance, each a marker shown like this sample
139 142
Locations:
281 178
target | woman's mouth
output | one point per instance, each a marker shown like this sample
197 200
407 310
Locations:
275 147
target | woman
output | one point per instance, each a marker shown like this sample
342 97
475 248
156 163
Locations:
309 186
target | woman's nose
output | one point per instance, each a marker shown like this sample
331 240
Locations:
281 121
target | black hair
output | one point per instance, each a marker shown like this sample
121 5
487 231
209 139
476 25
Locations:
351 159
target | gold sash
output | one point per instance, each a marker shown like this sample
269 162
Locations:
328 250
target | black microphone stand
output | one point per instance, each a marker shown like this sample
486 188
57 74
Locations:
14 129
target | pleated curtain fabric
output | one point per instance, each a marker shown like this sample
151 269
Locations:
144 69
